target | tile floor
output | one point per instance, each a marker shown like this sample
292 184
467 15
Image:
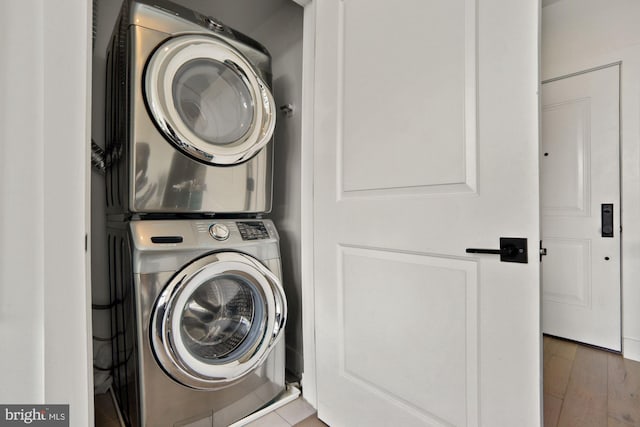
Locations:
296 413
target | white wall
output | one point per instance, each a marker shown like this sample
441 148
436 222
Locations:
285 46
582 34
21 203
44 315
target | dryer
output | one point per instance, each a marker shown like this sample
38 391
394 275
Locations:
198 320
190 115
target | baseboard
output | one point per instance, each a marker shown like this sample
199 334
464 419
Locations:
631 349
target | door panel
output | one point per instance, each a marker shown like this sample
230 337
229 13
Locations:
565 173
579 172
567 273
384 296
417 89
425 144
432 111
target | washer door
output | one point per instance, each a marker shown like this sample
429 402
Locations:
208 100
217 320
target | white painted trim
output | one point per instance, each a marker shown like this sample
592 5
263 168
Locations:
87 208
68 365
309 379
631 349
578 73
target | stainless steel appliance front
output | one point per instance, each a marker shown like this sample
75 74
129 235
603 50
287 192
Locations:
198 321
190 115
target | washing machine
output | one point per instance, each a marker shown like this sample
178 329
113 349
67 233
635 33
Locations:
198 320
190 115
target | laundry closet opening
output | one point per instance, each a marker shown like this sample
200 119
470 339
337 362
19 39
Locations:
278 26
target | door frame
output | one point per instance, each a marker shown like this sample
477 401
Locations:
309 376
619 215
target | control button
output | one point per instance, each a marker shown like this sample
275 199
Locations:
219 231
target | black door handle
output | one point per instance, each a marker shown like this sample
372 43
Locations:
512 249
483 251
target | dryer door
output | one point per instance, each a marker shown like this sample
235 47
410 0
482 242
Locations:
217 320
208 100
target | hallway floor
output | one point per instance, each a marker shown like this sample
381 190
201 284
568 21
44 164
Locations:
587 387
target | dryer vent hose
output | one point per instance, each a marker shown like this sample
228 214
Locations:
98 158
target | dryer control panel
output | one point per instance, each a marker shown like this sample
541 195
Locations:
252 230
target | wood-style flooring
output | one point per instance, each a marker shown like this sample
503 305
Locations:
587 387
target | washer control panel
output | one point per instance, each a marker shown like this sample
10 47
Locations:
219 231
252 230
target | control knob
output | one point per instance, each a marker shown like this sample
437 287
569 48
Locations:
219 231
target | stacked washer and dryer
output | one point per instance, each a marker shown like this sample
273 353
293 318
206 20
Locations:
198 308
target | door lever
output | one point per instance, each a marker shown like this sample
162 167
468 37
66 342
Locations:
512 249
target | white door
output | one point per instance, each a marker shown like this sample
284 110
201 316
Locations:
426 143
580 199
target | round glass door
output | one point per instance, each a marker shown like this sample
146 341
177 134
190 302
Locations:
222 318
213 101
208 100
217 320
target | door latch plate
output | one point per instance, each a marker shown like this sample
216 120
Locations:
513 249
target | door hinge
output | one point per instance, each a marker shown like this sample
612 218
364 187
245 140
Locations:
543 251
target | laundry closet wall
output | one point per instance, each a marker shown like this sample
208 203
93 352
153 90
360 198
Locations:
277 24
